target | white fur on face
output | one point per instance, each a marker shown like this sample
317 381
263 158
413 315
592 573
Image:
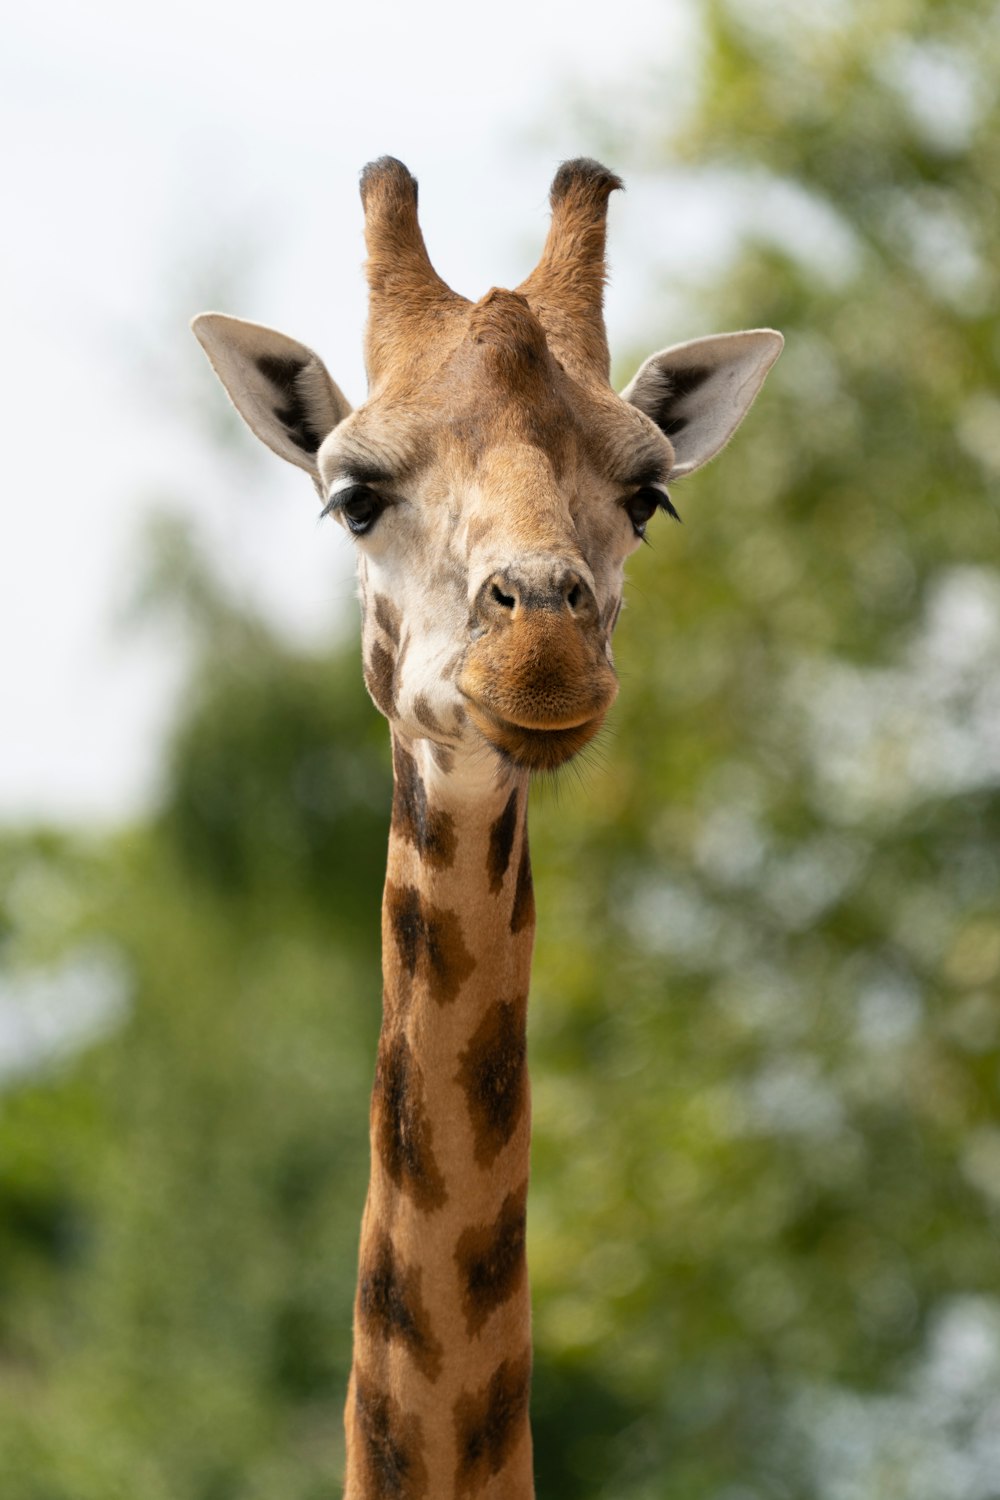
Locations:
430 550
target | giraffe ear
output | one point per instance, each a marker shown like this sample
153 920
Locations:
281 389
698 393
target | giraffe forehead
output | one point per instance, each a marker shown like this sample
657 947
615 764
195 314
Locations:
490 384
562 440
499 436
502 384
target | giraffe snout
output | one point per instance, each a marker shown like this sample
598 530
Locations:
511 591
538 678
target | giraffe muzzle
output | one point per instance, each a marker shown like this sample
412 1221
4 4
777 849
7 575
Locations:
532 749
537 681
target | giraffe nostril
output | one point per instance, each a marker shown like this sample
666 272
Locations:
574 595
506 600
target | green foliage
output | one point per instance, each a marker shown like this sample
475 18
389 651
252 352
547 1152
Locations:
765 1029
180 1205
767 1105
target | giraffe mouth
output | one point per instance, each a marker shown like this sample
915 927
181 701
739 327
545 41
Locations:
533 749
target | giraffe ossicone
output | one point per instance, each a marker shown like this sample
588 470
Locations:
495 485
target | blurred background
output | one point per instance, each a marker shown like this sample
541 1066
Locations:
765 1023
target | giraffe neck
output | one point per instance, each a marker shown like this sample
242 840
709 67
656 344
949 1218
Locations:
438 1402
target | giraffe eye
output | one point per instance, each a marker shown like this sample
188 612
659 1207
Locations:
359 506
641 506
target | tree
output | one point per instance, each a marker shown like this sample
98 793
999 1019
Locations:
180 1202
767 1021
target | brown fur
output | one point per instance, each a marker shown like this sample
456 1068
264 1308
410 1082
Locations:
407 298
523 914
502 832
401 1127
390 1307
387 1444
493 1074
387 618
427 944
430 831
566 289
442 1318
490 1423
379 671
491 1261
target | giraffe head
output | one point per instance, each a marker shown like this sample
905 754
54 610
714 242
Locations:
493 481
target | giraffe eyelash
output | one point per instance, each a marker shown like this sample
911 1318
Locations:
665 501
358 504
642 505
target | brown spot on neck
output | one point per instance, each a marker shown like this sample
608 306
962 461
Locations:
391 1444
401 1127
523 914
428 944
494 1075
390 1306
502 834
491 1261
430 830
490 1423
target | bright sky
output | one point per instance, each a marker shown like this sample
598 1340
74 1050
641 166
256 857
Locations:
207 154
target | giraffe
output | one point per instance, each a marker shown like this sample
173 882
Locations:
494 485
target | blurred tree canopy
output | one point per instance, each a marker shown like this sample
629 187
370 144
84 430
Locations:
765 1019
